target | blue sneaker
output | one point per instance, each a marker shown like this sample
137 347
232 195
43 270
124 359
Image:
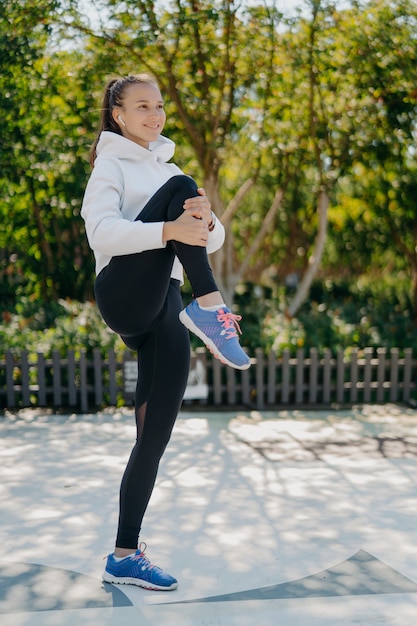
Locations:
218 330
136 569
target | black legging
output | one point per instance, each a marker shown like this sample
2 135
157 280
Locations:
138 300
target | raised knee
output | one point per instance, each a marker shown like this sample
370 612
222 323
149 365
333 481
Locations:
182 181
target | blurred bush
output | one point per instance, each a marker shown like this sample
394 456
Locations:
337 315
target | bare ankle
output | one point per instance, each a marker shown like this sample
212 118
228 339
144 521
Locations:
210 299
119 553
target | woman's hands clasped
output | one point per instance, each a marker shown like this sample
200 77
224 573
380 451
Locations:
200 206
192 226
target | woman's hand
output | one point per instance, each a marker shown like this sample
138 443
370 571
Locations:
192 226
187 229
200 206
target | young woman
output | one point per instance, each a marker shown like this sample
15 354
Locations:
145 221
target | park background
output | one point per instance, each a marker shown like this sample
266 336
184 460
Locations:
299 121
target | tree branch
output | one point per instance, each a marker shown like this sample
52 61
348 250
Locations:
267 222
315 258
236 200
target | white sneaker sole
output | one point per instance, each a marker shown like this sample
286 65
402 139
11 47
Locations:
115 580
188 323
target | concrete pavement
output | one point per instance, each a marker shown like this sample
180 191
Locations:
301 518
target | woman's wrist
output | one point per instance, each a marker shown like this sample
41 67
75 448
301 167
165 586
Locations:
212 223
166 232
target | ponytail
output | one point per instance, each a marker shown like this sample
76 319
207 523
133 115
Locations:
113 97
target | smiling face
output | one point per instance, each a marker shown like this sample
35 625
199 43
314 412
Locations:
141 117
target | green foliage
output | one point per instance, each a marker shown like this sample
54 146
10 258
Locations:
326 97
64 325
339 315
43 165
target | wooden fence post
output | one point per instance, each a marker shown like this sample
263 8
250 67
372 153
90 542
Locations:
112 377
340 377
299 376
354 376
217 381
72 389
367 375
380 391
407 375
285 387
272 375
327 376
98 378
393 394
24 373
41 379
313 376
259 378
57 380
83 382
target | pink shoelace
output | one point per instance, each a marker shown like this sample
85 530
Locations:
230 323
141 556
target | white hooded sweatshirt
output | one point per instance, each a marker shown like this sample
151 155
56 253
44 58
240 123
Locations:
124 178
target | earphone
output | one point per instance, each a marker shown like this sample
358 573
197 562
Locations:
120 120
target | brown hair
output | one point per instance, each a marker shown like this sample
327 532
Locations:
113 97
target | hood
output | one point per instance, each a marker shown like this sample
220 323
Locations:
112 144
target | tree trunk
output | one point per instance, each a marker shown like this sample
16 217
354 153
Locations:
315 258
222 261
414 292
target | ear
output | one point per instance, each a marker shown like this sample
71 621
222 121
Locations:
115 115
